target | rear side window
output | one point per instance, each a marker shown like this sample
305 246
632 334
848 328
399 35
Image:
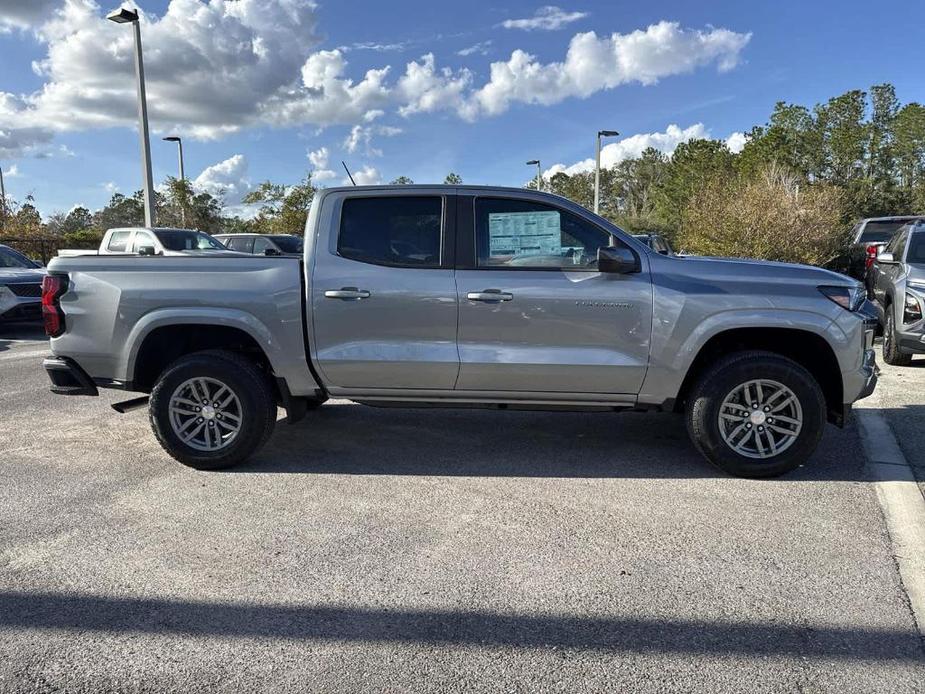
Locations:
398 230
118 242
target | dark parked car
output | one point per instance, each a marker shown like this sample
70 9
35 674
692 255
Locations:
20 286
263 244
897 281
656 242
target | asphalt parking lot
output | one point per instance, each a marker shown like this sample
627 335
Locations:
411 550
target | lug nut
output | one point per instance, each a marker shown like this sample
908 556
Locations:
199 420
767 409
760 428
198 409
754 405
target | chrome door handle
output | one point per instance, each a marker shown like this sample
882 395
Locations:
490 295
347 293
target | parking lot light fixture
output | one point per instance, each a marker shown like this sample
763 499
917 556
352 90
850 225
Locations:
539 173
597 167
126 16
179 141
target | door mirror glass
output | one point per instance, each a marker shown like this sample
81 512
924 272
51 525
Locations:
618 260
886 257
146 250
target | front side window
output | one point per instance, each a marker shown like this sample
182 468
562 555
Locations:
188 241
396 230
896 246
262 245
118 242
244 244
916 253
525 234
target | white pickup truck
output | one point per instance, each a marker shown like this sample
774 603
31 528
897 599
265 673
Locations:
465 296
151 241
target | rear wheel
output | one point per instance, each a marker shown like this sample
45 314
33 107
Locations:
211 410
756 414
891 353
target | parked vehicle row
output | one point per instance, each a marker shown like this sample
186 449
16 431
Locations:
20 286
470 296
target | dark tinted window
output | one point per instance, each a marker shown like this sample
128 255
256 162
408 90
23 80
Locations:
244 244
399 230
10 258
187 241
288 244
524 234
916 248
262 245
880 232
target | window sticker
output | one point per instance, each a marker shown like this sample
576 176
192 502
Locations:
524 233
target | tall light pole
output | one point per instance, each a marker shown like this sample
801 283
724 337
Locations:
179 141
125 16
597 167
2 201
539 173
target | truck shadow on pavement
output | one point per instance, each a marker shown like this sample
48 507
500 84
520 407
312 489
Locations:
82 613
354 439
10 333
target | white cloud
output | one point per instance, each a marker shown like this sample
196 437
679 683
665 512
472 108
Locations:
736 142
362 136
633 146
23 14
110 187
547 18
593 64
228 178
319 159
424 89
481 48
12 172
367 176
374 46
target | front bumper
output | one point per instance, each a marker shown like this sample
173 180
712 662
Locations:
20 308
67 378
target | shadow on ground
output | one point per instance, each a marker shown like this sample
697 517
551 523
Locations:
10 333
360 440
81 613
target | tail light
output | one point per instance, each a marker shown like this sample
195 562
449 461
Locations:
53 286
871 257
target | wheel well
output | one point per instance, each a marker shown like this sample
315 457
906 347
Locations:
163 346
808 349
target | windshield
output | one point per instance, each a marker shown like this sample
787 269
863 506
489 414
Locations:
916 254
188 241
10 258
288 244
881 232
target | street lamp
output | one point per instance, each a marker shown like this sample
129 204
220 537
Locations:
597 167
539 173
126 16
2 201
179 141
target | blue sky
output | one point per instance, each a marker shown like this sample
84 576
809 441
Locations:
255 87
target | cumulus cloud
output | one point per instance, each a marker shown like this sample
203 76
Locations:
319 159
424 89
736 142
361 136
12 172
548 18
23 14
631 147
367 176
227 178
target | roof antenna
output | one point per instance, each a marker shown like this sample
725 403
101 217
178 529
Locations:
348 172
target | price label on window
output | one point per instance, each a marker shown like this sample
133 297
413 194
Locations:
524 233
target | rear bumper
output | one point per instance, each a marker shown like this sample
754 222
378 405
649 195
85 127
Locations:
67 378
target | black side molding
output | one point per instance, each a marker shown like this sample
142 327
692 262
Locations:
67 378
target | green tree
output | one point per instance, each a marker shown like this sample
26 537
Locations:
401 181
691 167
121 211
453 179
283 210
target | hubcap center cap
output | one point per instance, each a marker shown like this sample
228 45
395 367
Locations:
757 417
208 412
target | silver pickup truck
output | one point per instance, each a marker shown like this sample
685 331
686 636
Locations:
464 296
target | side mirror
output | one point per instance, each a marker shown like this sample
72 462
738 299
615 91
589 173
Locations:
146 250
886 258
617 260
271 251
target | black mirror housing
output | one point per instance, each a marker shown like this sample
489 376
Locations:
146 250
617 260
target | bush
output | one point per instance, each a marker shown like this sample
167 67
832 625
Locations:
769 216
85 239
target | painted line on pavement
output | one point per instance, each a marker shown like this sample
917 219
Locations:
900 500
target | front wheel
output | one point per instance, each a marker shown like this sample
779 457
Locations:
211 410
891 353
756 414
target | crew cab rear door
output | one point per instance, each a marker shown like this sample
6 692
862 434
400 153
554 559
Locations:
383 293
534 312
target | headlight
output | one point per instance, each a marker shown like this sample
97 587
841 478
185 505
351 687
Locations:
849 298
912 309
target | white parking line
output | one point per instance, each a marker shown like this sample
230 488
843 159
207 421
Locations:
901 500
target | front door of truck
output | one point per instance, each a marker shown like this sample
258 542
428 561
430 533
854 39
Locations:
535 314
384 295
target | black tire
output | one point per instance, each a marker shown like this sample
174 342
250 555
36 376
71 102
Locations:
891 353
721 379
240 376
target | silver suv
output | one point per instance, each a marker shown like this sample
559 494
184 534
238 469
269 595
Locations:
897 282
